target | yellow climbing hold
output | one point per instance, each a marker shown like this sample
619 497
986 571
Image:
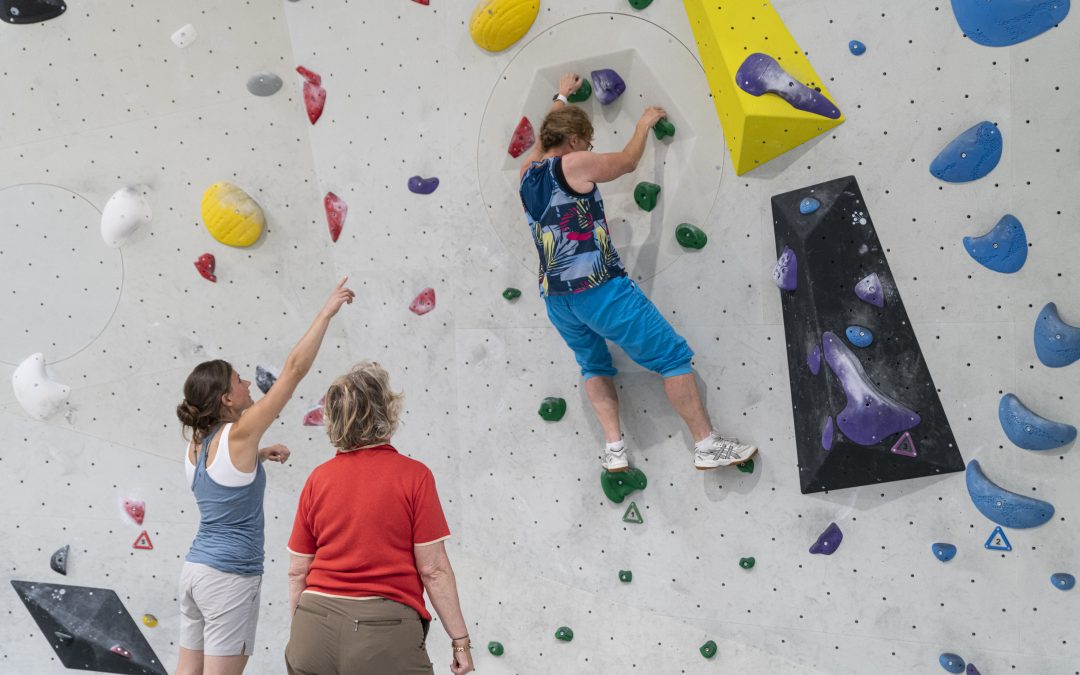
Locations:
231 215
497 24
149 620
757 128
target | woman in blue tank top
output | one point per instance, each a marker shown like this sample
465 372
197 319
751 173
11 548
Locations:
222 572
589 298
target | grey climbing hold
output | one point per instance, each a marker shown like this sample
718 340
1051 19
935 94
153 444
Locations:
970 156
1063 581
1030 431
1002 506
859 336
264 84
264 379
1057 344
1003 249
828 541
869 290
785 271
944 552
808 205
951 663
58 561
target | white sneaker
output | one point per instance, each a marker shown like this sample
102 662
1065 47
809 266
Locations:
615 459
721 451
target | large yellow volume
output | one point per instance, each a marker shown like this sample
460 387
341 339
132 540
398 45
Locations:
757 128
497 24
231 215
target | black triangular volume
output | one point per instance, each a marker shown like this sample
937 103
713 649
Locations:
30 11
835 247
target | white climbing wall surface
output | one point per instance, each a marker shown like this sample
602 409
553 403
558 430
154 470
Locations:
100 99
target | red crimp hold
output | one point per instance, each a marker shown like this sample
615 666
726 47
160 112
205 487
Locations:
120 651
421 2
336 210
136 509
314 101
423 303
524 138
206 266
309 75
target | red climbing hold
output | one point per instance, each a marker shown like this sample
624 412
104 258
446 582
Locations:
310 76
314 100
421 2
136 509
423 303
336 210
523 139
143 542
206 266
314 417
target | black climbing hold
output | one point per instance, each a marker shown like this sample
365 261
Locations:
835 250
31 11
58 562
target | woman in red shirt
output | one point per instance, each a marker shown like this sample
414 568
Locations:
366 543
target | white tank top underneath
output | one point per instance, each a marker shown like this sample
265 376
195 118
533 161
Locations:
222 471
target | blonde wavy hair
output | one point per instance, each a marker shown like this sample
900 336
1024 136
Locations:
561 124
360 408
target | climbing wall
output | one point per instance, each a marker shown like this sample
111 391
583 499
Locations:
100 98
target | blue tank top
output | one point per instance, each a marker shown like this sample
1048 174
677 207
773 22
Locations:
230 536
570 231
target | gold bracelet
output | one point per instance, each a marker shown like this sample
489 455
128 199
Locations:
467 646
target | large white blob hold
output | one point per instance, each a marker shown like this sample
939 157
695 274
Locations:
38 394
125 211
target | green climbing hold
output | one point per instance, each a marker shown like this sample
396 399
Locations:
632 515
747 563
552 409
690 236
708 650
564 634
626 576
619 484
495 648
584 91
663 128
645 194
512 294
746 467
640 4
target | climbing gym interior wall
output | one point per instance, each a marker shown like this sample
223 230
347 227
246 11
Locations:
136 109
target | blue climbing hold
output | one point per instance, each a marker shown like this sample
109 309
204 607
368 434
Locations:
857 48
869 290
1030 431
997 541
970 156
1002 249
1004 507
1057 344
1006 22
1063 581
828 541
809 205
859 336
951 663
944 552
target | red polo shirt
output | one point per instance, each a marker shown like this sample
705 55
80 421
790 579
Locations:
360 514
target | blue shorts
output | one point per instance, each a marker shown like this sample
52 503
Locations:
618 311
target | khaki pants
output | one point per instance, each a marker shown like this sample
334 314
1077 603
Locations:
346 636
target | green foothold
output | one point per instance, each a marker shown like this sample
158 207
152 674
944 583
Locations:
632 515
645 194
584 91
663 128
564 634
552 409
495 648
746 467
690 236
617 485
512 294
708 650
747 563
626 576
640 4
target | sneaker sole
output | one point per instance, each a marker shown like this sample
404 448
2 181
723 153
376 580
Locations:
707 467
619 469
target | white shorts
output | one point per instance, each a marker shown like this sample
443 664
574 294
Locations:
219 611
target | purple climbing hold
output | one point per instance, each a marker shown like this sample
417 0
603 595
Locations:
785 272
870 290
423 186
813 360
760 74
828 541
870 415
828 433
607 85
972 670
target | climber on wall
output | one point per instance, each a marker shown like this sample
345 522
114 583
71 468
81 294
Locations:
222 573
588 295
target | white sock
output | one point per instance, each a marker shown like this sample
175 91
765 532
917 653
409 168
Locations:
617 446
704 441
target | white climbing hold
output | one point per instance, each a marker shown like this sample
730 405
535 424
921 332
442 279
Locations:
125 211
38 394
184 36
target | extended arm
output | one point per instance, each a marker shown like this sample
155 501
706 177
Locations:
582 169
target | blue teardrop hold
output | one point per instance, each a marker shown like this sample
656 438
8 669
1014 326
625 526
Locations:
1063 581
951 663
809 205
859 336
944 552
857 48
